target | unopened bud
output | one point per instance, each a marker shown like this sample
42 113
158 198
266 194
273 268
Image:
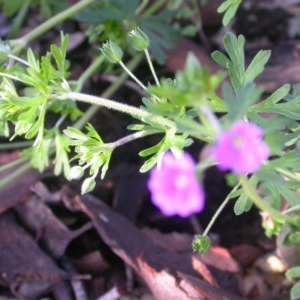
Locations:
112 52
5 50
88 185
76 172
139 39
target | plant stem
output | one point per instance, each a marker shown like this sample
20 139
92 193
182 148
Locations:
219 210
12 164
16 174
89 72
262 205
154 7
288 174
132 75
117 106
141 7
22 42
22 61
129 138
151 67
15 145
19 19
91 111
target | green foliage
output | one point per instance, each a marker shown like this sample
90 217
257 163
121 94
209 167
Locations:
229 7
47 7
91 153
27 111
179 109
112 20
234 62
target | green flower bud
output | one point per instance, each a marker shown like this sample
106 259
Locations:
112 52
201 243
139 39
76 172
5 50
88 185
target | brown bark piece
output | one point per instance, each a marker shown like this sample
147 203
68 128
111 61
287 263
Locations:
11 194
24 268
158 267
40 220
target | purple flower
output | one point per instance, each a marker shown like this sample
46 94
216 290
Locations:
174 187
241 149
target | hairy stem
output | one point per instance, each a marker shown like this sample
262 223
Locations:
117 106
91 111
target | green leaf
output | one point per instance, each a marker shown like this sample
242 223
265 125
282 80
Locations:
220 58
294 238
242 204
76 134
257 65
61 161
11 7
151 150
229 7
295 291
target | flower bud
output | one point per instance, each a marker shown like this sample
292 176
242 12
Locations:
5 50
201 244
112 52
139 39
76 172
88 185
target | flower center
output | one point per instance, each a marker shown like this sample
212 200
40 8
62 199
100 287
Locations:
181 181
238 141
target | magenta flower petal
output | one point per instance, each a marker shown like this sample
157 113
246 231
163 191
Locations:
241 149
174 187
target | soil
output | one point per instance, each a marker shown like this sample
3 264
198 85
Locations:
113 243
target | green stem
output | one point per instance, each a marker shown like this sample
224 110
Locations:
117 106
262 205
292 209
19 19
15 145
22 42
22 61
91 111
132 75
129 138
16 174
89 72
151 67
153 8
141 7
12 164
287 174
219 210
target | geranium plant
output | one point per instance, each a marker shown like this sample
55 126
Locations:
261 153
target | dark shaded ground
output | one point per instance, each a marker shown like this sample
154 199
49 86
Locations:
114 244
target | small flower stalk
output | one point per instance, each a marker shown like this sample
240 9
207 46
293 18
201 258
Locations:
174 186
139 39
241 149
